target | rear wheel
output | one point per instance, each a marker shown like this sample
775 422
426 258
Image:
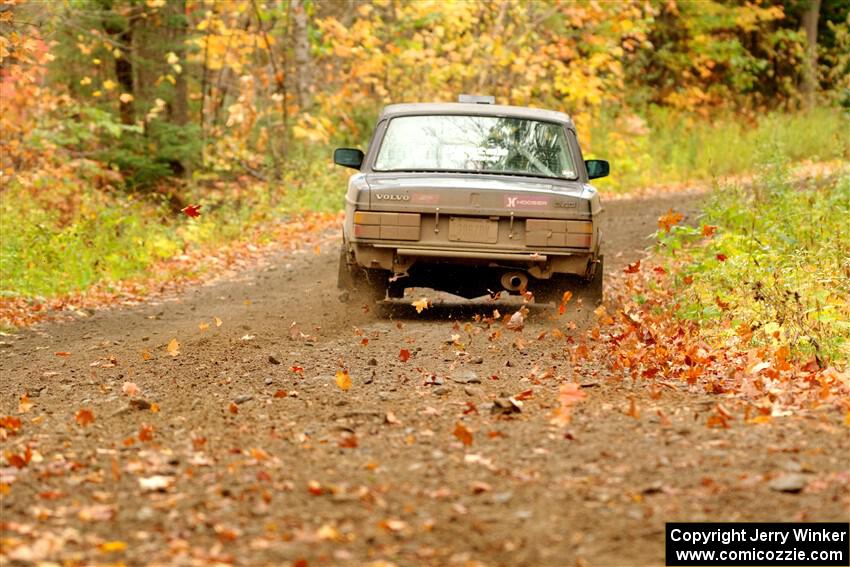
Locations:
358 283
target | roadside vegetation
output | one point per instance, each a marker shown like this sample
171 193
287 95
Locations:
136 133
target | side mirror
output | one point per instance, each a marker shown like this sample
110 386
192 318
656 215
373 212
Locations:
348 157
597 168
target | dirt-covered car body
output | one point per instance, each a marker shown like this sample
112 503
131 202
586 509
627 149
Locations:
438 213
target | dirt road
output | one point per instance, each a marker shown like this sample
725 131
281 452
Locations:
231 469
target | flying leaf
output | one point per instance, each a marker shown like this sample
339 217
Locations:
517 320
421 304
569 394
462 433
193 211
24 404
173 347
343 380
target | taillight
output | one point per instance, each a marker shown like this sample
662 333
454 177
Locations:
387 226
561 233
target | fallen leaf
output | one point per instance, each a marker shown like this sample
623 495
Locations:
280 394
113 546
391 419
517 320
146 432
10 423
669 220
146 355
708 230
632 268
155 483
404 355
233 408
84 417
721 257
173 347
463 434
343 380
203 326
348 441
314 488
391 525
130 389
217 321
62 353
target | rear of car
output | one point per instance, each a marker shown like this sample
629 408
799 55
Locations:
471 199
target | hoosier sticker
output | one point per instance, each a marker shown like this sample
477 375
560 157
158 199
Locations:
526 202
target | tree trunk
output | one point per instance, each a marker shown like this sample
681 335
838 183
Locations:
810 63
303 70
180 108
121 28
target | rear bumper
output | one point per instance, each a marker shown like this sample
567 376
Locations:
399 257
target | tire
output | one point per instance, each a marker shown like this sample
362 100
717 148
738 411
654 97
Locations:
591 291
357 283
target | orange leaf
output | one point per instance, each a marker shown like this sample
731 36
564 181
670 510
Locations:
62 353
669 220
24 404
233 408
84 417
348 441
146 432
280 394
708 230
569 394
173 347
10 423
404 355
462 433
632 268
296 369
343 380
633 411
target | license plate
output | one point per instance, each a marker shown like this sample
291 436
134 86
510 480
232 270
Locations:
473 230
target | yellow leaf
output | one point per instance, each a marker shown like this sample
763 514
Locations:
85 81
24 405
109 84
173 347
146 355
343 380
421 304
203 326
113 546
217 321
125 97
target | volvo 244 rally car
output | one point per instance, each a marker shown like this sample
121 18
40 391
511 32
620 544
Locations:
472 198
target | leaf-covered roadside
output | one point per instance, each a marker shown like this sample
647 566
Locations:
751 304
155 275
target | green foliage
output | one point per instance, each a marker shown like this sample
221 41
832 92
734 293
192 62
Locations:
779 263
669 147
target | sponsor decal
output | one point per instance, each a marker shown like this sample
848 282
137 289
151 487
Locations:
565 204
391 197
425 198
526 202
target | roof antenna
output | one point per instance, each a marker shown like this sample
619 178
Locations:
477 99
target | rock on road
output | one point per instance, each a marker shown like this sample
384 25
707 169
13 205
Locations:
257 457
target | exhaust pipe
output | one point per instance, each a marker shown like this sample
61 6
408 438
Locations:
514 281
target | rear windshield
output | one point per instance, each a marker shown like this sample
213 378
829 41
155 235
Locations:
476 144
